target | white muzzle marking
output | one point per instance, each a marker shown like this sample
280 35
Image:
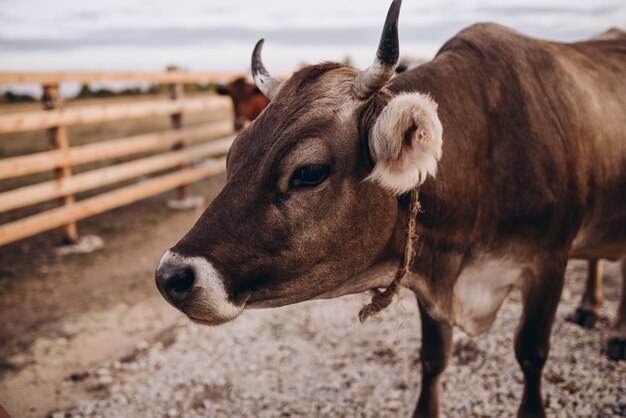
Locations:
210 301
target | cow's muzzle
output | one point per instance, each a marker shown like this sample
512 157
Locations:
195 287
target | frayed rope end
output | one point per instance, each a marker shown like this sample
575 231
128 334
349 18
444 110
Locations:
380 301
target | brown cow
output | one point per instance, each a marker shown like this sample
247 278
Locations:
588 311
406 64
320 187
248 101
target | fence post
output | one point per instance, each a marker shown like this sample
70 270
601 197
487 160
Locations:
177 92
51 100
184 201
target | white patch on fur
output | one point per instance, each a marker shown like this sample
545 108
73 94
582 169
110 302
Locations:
401 167
211 301
480 290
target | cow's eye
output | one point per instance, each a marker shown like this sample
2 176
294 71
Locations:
309 175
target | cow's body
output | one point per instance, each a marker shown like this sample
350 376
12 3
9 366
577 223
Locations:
533 170
534 161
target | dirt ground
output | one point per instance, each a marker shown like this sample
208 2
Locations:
101 304
88 335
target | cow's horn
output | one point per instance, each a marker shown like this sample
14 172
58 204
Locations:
264 81
376 76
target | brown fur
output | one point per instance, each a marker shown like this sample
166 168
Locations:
533 170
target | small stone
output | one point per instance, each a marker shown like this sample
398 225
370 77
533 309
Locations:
105 379
85 244
393 405
102 371
85 407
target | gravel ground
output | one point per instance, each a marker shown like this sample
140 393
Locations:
315 359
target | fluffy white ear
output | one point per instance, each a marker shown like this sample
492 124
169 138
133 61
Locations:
405 142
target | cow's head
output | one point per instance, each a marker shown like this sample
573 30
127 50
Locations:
311 198
248 101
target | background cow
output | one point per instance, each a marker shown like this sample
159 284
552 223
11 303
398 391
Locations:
248 101
408 63
526 138
589 310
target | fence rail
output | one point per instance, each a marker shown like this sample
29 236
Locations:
48 160
104 113
184 149
89 77
75 211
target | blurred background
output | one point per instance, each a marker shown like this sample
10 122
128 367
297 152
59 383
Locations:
117 160
218 36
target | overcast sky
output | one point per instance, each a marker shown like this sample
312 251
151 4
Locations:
219 35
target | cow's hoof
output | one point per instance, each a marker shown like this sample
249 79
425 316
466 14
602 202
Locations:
616 349
583 317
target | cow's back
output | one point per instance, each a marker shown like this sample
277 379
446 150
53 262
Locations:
534 144
599 66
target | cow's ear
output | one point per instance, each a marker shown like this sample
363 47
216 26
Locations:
222 90
405 142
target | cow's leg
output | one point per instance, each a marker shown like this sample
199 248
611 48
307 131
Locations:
434 355
588 312
540 294
616 348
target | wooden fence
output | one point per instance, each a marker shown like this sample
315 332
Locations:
184 148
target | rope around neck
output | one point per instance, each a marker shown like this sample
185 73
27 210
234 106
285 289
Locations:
380 300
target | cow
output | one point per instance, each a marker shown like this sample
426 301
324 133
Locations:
587 313
479 172
408 63
248 101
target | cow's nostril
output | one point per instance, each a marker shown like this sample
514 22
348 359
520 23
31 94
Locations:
183 282
178 283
